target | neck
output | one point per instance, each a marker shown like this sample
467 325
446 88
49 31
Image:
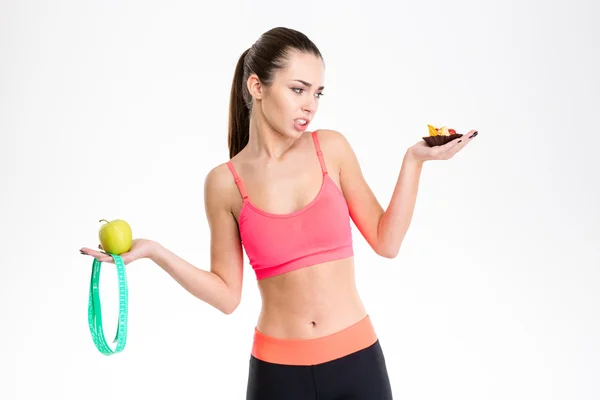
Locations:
264 141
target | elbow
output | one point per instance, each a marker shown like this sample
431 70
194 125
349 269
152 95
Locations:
389 252
387 245
228 310
230 306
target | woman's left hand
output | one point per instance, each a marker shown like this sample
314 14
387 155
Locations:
422 152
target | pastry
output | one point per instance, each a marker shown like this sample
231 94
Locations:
440 136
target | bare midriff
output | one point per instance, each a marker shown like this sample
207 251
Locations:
310 302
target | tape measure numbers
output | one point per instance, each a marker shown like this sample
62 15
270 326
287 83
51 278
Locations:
95 309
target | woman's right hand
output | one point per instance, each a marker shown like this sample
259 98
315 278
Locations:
140 248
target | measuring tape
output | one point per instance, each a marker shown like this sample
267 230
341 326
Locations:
95 311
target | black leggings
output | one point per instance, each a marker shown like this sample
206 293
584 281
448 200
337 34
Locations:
358 376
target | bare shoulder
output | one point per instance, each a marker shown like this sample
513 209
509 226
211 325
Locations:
334 144
219 186
219 177
331 137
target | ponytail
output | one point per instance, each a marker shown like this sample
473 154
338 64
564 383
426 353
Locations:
267 55
239 113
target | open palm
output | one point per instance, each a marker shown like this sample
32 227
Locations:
422 152
140 248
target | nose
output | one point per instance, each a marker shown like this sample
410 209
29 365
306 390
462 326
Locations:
310 105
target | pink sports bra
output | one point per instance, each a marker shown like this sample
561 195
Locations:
317 233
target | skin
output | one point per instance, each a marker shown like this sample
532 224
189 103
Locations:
281 174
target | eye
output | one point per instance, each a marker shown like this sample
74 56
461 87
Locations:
300 91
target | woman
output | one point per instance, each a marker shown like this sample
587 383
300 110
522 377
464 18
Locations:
286 197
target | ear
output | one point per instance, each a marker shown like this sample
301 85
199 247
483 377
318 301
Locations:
255 86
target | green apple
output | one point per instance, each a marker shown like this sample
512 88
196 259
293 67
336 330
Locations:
115 236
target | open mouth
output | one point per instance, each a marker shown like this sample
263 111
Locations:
301 123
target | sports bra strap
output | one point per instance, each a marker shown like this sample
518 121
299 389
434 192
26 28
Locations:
319 152
238 180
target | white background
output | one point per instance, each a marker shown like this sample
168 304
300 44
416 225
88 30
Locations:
118 109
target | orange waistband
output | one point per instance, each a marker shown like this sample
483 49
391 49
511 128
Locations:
314 351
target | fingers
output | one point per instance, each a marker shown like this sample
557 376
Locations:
446 151
105 257
101 256
453 147
458 142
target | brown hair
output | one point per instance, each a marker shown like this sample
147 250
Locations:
265 56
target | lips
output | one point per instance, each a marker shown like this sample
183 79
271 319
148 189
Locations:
301 123
304 120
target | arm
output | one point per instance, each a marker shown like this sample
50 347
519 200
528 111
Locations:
395 222
220 287
384 230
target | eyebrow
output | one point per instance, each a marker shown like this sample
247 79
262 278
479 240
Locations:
308 84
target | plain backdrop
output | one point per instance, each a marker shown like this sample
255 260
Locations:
118 109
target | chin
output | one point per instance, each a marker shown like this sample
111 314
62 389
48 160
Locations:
297 133
291 133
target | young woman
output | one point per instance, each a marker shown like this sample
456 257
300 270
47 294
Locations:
286 197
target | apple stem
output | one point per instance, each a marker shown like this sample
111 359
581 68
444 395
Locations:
103 220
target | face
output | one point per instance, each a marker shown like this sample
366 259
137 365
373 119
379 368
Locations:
292 100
